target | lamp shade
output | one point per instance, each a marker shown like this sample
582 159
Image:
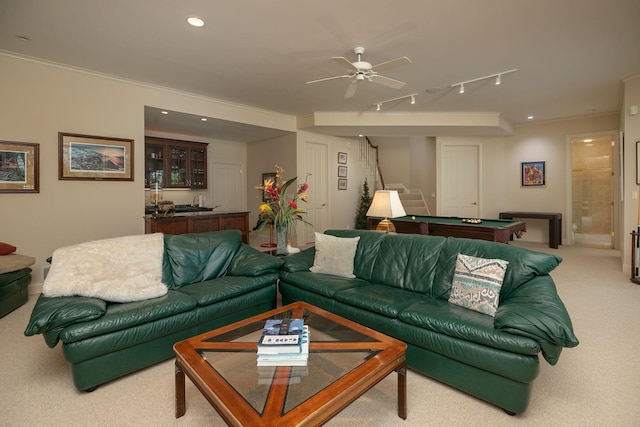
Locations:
386 204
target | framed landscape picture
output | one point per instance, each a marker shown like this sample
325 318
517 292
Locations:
342 171
342 184
342 158
87 157
533 174
19 167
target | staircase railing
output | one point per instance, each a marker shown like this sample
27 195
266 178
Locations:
369 155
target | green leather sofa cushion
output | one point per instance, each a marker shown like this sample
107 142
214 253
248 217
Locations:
223 288
408 261
51 315
458 322
535 310
301 261
377 298
121 316
524 264
196 257
251 262
323 284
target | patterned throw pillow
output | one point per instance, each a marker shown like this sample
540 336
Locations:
477 282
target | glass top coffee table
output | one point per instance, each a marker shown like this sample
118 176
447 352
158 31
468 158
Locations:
345 360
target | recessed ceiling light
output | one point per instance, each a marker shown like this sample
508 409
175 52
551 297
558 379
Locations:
195 21
529 117
204 119
164 112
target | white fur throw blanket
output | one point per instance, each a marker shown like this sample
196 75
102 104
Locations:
122 269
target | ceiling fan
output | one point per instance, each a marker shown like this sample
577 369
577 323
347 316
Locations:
360 70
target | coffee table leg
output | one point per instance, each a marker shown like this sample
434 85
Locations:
181 407
402 390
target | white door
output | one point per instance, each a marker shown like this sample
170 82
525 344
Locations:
460 181
227 189
316 163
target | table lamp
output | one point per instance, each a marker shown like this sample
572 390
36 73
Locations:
386 204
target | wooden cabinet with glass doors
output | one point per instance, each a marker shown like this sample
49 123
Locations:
175 164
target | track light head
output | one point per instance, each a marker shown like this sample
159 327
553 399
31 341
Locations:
413 99
462 88
378 106
498 79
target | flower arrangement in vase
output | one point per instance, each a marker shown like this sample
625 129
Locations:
281 210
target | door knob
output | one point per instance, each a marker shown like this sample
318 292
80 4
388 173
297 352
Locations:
474 203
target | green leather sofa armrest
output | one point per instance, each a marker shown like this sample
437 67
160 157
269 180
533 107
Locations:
251 262
302 261
535 310
51 315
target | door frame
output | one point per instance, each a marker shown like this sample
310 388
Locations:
618 188
445 142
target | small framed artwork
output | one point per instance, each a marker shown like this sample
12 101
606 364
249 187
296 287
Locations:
342 184
19 167
342 158
267 177
533 174
94 158
342 171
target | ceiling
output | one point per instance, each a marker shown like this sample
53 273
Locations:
570 56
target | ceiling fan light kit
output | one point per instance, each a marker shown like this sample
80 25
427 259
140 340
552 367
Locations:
361 70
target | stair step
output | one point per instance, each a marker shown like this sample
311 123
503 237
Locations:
410 196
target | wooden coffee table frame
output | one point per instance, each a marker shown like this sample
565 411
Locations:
316 410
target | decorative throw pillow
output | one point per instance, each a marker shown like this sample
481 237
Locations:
6 249
334 255
477 282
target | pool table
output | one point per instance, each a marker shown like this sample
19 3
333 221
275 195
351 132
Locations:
493 230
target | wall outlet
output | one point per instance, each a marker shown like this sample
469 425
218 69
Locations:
45 271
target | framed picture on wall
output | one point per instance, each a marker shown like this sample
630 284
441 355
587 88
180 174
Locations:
342 158
533 174
342 184
99 158
342 171
19 164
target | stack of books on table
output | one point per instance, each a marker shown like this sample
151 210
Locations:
284 342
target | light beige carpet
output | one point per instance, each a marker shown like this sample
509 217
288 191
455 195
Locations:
594 384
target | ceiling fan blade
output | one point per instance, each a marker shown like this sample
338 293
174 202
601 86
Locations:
386 81
330 78
344 62
390 64
351 89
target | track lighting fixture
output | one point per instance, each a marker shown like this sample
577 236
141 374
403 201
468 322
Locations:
412 96
498 77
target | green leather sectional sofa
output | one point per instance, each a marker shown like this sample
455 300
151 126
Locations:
402 287
103 341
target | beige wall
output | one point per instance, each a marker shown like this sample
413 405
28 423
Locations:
40 100
631 128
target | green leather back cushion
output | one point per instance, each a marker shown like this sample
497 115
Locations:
523 265
408 261
196 257
251 262
367 251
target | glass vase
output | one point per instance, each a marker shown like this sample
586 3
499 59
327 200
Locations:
281 235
